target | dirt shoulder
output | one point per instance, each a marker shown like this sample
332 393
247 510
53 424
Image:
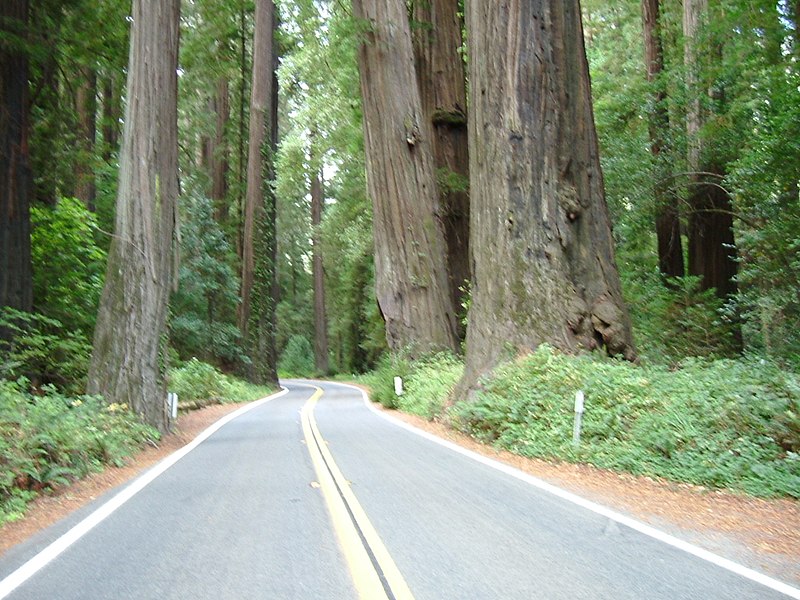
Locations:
762 534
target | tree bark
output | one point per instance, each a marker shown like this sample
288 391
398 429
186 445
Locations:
111 99
257 309
437 39
668 226
129 356
320 317
412 285
86 104
712 247
543 255
16 182
219 152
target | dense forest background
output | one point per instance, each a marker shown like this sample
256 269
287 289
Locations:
697 112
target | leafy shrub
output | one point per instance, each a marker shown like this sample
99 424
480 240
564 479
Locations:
68 265
381 381
429 385
673 322
721 423
198 384
297 359
50 439
41 349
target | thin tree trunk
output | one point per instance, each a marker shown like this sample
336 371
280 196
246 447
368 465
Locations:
712 247
86 101
412 285
16 183
111 99
320 317
442 83
544 268
257 310
668 226
129 355
219 152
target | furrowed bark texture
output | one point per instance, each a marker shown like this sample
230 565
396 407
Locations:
16 183
442 85
712 247
220 152
257 310
129 356
544 268
412 284
668 225
320 317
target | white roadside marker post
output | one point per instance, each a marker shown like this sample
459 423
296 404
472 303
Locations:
172 403
576 431
398 386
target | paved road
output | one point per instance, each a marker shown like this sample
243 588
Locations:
311 495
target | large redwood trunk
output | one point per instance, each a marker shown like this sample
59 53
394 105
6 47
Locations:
257 309
668 226
129 355
442 84
544 268
16 183
412 284
320 316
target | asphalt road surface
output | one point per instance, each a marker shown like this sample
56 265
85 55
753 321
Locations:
313 495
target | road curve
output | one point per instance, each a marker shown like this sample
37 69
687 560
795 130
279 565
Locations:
313 495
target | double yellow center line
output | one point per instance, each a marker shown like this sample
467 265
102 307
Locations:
374 573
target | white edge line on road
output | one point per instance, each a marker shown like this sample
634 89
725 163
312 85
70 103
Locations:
652 532
32 566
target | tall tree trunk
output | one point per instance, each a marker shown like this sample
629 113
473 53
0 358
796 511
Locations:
16 184
257 310
442 84
712 247
219 152
412 284
111 103
129 356
668 226
320 317
86 104
544 268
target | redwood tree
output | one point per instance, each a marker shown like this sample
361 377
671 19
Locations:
412 285
437 38
668 225
129 355
544 268
16 184
257 310
318 272
712 247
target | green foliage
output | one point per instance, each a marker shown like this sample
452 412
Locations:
204 308
41 349
678 320
49 440
68 265
199 384
429 385
427 382
723 423
297 359
381 380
